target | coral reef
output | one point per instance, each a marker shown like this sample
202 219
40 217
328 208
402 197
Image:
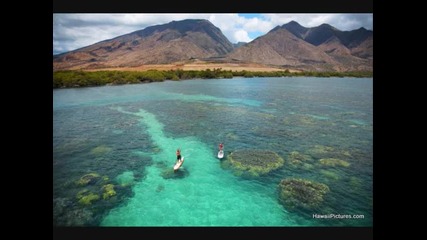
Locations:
253 162
65 213
332 162
296 158
108 191
126 178
160 188
296 193
88 179
85 197
330 174
320 151
169 173
100 150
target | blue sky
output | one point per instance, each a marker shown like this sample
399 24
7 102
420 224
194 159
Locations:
249 15
252 34
72 31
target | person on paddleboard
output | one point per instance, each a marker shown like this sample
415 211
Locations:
178 155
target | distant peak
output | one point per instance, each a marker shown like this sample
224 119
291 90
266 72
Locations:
189 21
293 23
325 25
295 28
193 21
181 26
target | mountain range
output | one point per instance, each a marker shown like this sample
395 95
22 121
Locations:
290 46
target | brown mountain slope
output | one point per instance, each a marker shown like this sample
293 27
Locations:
358 42
340 53
291 46
290 49
364 49
333 46
282 48
161 44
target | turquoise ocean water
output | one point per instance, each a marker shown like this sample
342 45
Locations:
124 138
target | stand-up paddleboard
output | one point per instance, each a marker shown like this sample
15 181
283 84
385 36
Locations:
221 154
178 164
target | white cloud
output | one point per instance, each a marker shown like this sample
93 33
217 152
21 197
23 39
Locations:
229 24
72 31
242 36
258 25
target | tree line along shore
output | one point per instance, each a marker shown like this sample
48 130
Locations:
71 78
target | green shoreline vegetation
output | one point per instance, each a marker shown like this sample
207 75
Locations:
68 79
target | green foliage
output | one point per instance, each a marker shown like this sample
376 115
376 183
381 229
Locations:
66 79
248 74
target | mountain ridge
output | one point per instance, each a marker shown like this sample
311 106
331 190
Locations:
321 48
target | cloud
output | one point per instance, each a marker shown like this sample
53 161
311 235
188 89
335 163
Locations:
72 31
258 25
242 36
